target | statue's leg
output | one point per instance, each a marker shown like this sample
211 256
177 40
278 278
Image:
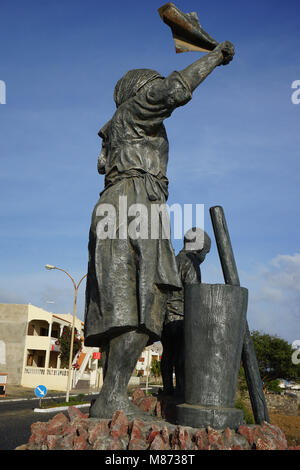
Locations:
166 364
124 352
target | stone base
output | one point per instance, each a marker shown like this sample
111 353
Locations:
201 417
120 433
79 432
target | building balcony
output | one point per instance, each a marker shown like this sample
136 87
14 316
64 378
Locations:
38 342
52 378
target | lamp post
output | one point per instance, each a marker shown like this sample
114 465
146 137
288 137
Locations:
148 368
76 287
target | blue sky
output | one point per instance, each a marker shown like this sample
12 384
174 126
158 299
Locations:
236 144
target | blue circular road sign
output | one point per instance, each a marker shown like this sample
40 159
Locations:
40 391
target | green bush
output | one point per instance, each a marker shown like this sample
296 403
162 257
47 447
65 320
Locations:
242 384
273 386
65 342
155 368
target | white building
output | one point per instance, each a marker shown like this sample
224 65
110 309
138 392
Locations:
149 354
29 349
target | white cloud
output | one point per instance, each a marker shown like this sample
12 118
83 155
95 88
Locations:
274 297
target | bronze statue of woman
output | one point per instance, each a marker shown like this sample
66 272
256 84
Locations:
129 278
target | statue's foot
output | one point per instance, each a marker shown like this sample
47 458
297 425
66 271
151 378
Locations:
102 408
105 410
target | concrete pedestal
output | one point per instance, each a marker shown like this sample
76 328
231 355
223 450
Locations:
202 416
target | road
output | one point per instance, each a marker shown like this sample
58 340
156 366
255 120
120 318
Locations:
16 418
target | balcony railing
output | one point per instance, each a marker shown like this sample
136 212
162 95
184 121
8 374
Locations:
57 372
43 371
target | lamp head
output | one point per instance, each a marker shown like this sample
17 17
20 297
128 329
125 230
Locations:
49 266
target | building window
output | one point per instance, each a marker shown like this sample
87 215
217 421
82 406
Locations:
30 331
29 360
41 361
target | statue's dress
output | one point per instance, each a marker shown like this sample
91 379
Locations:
129 279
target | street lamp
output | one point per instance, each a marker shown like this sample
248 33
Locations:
50 267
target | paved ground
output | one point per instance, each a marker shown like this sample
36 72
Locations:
17 412
18 392
16 417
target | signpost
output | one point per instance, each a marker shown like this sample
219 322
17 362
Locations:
40 391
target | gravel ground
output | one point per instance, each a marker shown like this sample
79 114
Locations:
290 425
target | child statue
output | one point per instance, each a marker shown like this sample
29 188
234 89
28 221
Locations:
188 264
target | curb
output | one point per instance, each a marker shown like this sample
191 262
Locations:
4 400
58 408
61 408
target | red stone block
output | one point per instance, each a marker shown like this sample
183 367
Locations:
39 433
228 437
247 432
51 441
137 444
80 443
119 425
57 423
201 439
147 404
137 393
153 432
115 444
137 429
265 444
165 435
214 439
75 413
82 431
69 428
158 443
181 439
99 430
276 434
100 444
158 409
65 443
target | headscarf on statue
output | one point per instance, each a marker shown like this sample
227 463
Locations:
127 87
